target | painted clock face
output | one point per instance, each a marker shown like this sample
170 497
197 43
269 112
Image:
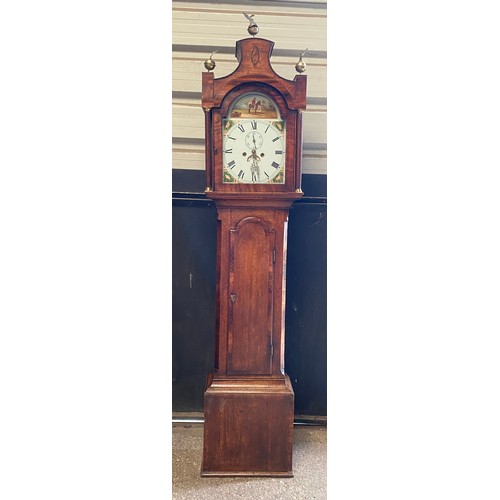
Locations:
254 142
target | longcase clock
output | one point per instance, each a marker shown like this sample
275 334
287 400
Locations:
253 134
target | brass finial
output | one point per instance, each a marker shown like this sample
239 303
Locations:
210 63
253 29
301 65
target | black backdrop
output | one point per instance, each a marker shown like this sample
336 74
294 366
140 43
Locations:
193 309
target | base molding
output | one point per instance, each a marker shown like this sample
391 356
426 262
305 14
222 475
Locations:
246 474
248 428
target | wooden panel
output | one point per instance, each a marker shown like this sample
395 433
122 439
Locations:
248 430
251 285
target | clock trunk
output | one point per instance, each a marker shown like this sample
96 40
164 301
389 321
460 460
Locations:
250 307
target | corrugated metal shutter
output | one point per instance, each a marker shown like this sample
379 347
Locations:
199 28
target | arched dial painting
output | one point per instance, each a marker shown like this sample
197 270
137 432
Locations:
254 141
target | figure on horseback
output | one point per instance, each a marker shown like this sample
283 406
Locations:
251 106
255 106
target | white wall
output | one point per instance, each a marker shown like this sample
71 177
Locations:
199 28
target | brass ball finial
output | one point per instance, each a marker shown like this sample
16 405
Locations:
253 29
210 63
301 66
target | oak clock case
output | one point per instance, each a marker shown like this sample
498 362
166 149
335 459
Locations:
253 127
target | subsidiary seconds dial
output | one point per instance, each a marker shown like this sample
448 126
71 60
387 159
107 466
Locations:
254 151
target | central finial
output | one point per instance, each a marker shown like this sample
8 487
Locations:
253 29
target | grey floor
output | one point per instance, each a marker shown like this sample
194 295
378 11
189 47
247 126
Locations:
309 467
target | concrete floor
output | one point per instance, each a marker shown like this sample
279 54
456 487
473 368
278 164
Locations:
309 467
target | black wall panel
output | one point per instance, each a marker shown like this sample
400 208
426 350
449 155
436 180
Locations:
194 257
305 318
193 307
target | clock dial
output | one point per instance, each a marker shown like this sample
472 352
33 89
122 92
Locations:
254 139
254 151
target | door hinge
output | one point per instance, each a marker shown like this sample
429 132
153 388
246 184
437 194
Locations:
272 350
274 254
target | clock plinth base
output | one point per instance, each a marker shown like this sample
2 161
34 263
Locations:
248 427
